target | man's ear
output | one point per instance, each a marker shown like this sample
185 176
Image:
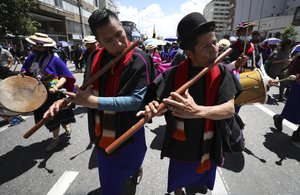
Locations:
188 53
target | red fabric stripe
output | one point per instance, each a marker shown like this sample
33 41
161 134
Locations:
249 48
204 166
111 87
213 81
179 135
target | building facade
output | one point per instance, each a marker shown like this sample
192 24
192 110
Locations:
271 16
218 11
67 19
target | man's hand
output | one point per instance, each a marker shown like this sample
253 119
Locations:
241 61
273 82
183 106
53 89
54 108
150 110
84 98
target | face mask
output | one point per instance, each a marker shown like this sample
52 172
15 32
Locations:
243 38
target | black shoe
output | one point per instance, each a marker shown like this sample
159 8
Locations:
136 179
296 136
196 189
278 122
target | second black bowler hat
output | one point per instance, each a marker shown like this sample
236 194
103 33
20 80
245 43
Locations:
191 25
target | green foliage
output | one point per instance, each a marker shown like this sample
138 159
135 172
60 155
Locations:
289 33
15 17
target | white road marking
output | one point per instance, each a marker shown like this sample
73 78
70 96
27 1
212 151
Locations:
271 113
63 183
8 125
219 188
4 128
220 185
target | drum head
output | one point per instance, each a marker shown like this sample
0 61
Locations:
22 94
7 112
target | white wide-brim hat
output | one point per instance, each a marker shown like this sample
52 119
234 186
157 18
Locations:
89 39
41 39
224 43
151 45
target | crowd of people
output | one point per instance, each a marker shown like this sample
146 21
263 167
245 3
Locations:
134 84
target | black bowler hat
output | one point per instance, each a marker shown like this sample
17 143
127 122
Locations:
192 25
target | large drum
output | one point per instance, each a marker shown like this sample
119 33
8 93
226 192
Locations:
254 88
21 94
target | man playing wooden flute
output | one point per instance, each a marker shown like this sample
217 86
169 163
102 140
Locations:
190 140
113 101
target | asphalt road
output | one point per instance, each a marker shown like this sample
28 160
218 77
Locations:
269 164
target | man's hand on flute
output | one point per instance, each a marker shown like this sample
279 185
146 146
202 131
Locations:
183 106
85 97
151 110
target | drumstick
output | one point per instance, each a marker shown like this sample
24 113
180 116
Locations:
90 81
289 78
161 106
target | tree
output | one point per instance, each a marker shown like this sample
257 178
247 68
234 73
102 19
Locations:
289 33
15 17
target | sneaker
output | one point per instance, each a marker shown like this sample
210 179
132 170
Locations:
53 144
278 122
68 129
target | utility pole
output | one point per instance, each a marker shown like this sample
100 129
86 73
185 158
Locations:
80 17
261 9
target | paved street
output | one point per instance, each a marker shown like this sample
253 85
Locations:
269 164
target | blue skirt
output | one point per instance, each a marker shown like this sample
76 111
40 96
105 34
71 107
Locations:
291 110
117 168
183 174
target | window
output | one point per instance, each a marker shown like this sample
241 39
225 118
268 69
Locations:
58 3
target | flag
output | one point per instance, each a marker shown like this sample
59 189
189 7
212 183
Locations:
154 34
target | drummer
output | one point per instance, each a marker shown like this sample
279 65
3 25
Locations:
54 74
238 61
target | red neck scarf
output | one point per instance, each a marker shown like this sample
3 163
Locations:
213 80
106 132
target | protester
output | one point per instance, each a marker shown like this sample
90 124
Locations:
91 46
54 74
191 116
223 45
6 61
279 60
151 50
78 58
291 111
113 102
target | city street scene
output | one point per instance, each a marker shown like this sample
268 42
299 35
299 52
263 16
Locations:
126 97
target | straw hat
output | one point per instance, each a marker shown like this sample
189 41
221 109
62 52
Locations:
89 39
243 25
150 45
224 43
41 39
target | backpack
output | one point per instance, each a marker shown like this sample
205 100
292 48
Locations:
232 134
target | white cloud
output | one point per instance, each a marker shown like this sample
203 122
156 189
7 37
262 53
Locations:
193 6
165 25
